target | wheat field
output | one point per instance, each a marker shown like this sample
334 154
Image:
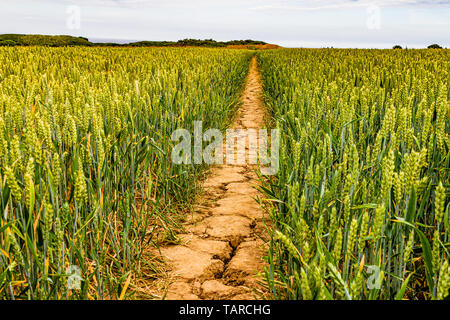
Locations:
359 209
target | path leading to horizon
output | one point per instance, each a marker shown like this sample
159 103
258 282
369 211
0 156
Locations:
221 252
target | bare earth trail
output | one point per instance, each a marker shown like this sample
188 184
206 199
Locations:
221 252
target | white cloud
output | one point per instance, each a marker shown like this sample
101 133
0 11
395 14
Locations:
164 4
313 5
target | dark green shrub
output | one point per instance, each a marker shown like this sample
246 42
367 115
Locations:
7 43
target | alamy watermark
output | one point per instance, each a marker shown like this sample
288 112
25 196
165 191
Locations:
74 278
374 280
73 20
373 21
242 146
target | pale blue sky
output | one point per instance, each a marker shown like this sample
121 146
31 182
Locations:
307 23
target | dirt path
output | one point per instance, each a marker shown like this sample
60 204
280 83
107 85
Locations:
221 253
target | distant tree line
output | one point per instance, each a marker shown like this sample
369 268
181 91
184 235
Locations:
41 40
62 41
433 46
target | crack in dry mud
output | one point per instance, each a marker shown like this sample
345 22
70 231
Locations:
221 251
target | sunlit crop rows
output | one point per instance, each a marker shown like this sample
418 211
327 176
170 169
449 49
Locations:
85 162
360 206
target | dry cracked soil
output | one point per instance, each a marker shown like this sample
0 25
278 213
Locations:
220 253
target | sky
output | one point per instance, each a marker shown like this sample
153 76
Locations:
289 23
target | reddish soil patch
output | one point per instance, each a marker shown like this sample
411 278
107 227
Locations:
254 46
